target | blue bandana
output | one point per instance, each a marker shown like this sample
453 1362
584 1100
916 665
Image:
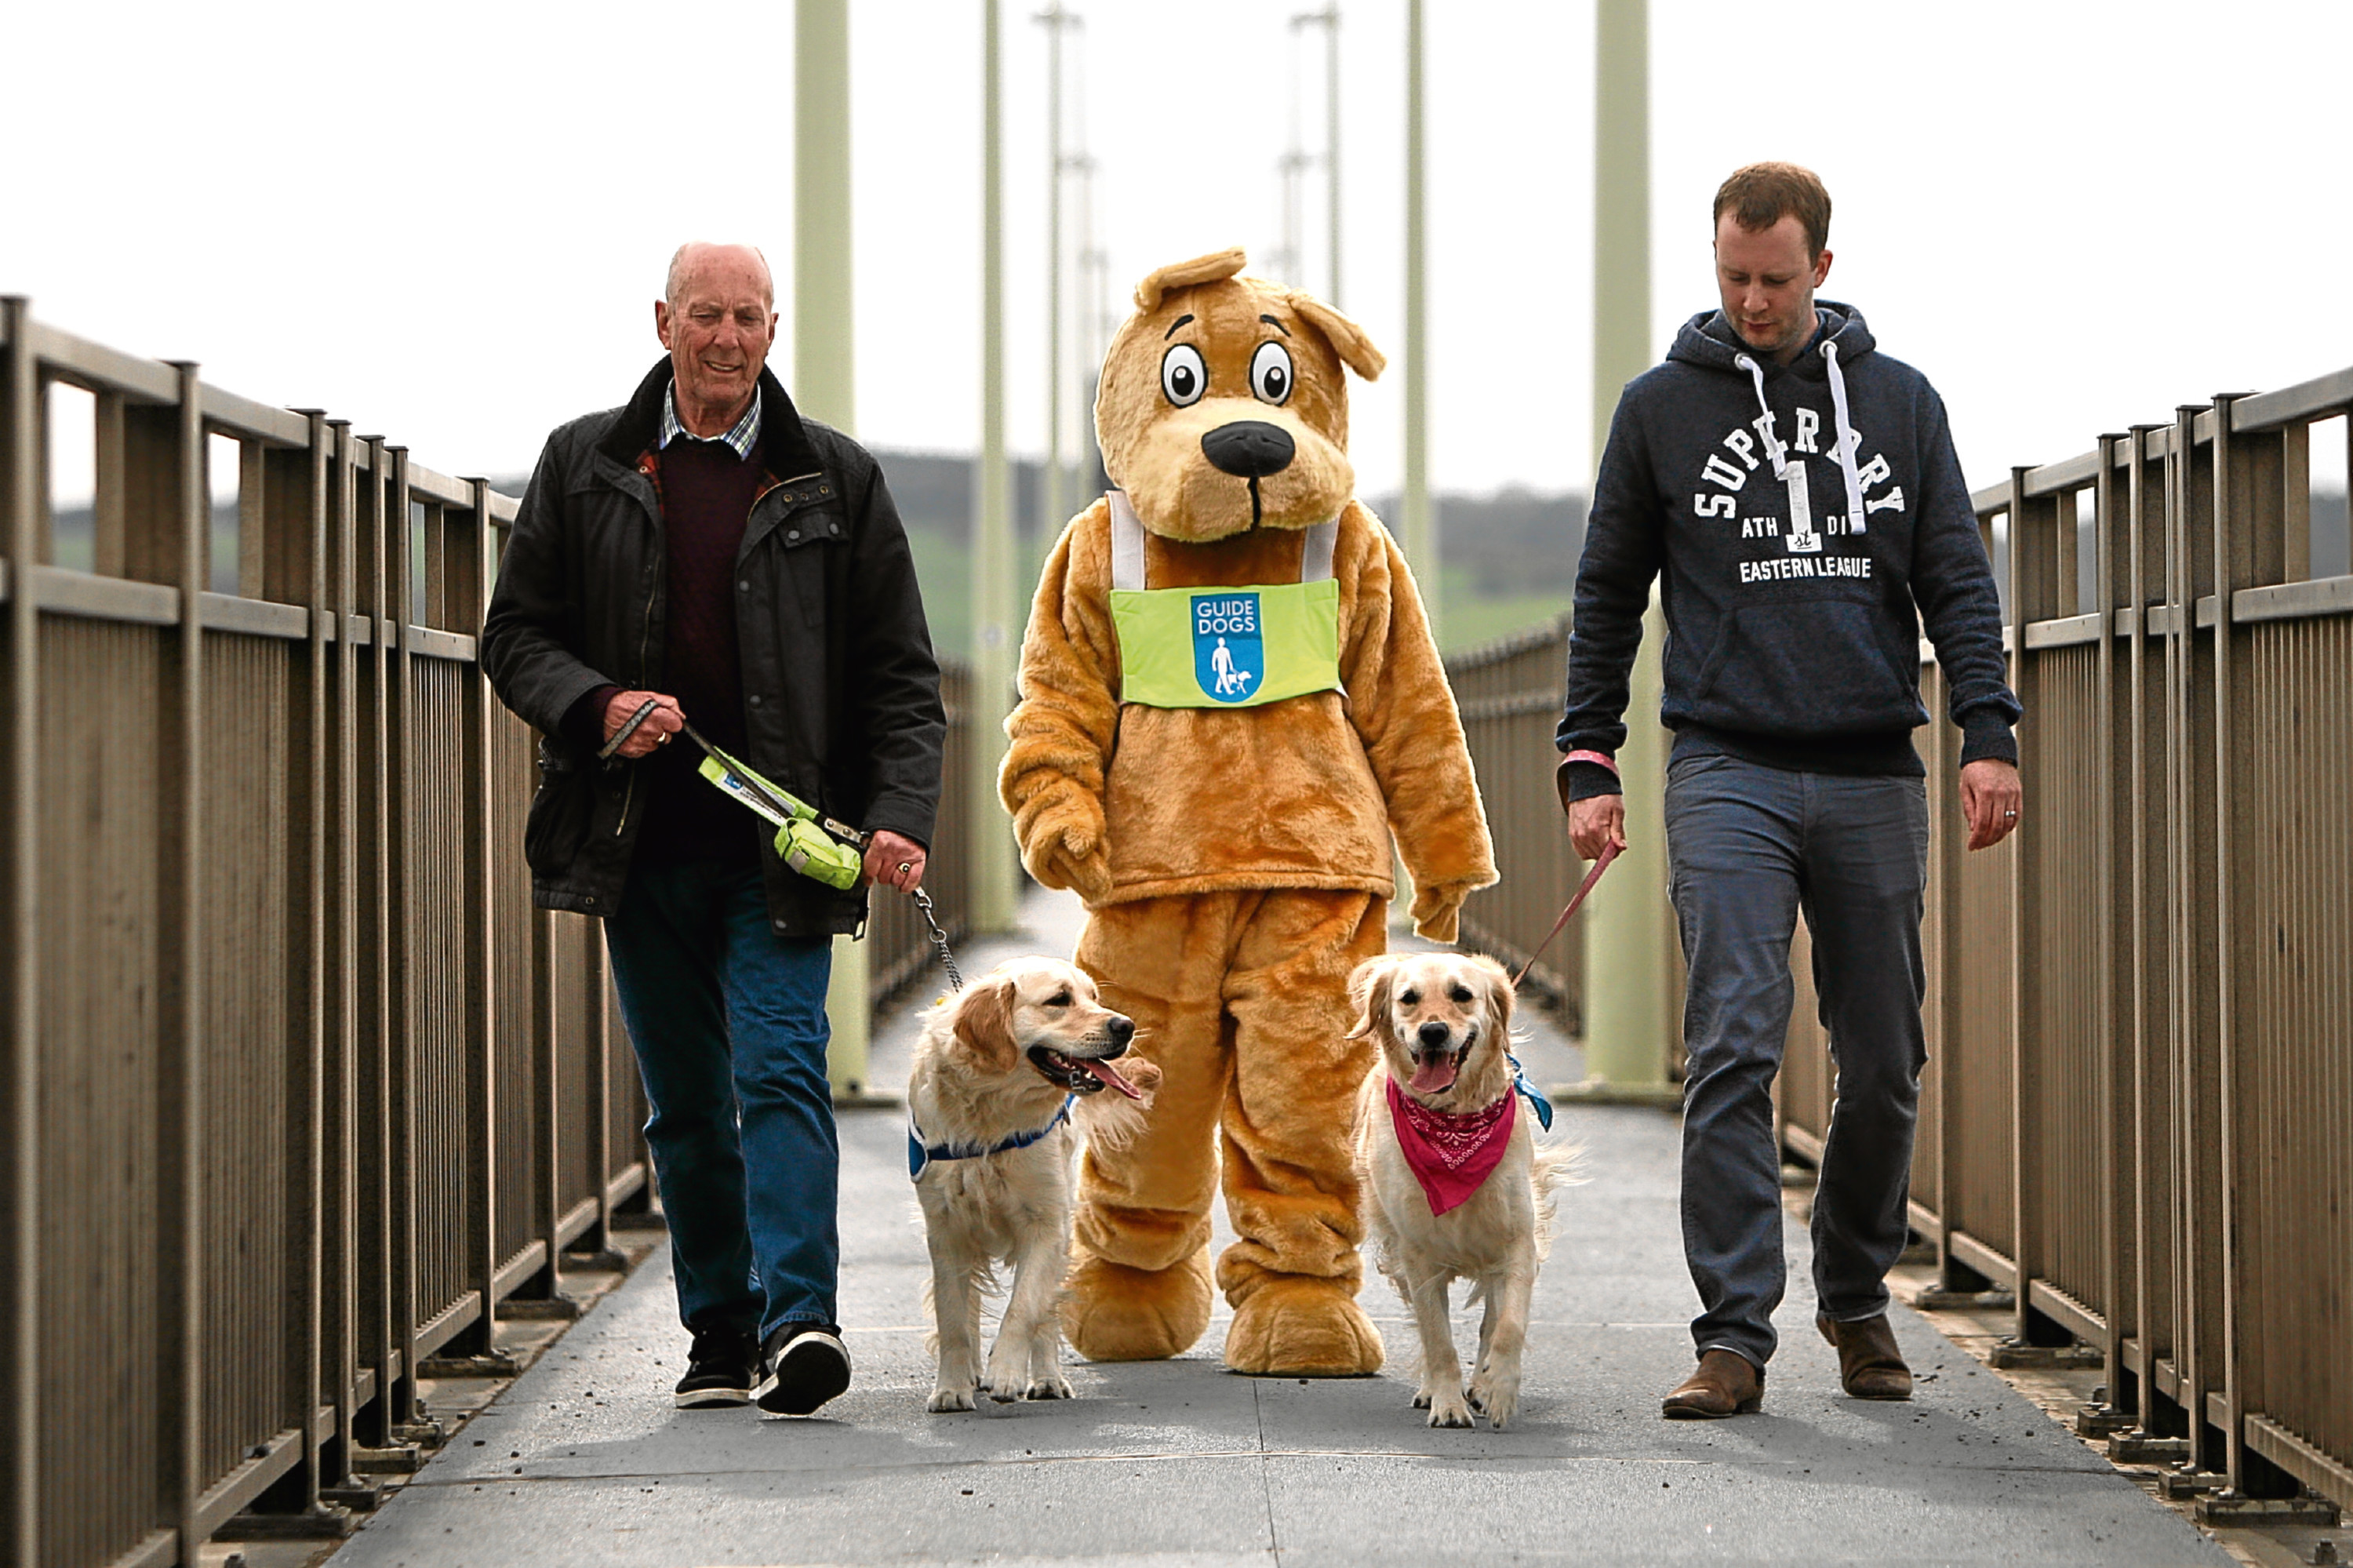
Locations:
1528 1091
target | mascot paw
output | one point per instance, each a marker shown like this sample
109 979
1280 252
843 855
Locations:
1115 1313
1061 832
1438 909
1299 1327
1088 876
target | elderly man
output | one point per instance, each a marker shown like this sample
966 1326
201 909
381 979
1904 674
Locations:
705 550
1798 493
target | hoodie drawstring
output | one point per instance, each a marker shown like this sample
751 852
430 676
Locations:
1847 440
1774 447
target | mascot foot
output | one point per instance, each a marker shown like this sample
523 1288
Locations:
1115 1313
1300 1327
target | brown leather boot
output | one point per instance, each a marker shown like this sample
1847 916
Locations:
1870 1366
1724 1383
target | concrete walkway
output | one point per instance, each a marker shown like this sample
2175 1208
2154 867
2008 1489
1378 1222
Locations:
583 1460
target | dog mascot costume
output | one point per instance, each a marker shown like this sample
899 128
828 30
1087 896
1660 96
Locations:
1229 700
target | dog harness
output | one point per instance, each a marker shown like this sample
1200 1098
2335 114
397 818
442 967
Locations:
1452 1155
1223 647
921 1154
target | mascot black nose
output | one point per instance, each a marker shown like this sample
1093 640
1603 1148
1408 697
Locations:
1249 449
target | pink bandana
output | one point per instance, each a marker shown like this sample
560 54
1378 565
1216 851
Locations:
1450 1154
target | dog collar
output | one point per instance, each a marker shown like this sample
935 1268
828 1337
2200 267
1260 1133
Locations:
921 1154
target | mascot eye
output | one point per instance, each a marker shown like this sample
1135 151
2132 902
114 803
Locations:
1184 376
1271 373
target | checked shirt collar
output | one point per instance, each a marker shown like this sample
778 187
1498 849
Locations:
742 438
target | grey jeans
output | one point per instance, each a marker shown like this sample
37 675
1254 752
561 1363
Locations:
1748 847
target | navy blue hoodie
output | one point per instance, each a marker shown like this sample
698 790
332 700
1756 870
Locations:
1792 628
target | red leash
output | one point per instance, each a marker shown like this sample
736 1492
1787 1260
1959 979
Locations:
1608 853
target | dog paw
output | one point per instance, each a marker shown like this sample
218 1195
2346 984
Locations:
1421 1399
1451 1410
1006 1380
1497 1399
945 1400
1049 1388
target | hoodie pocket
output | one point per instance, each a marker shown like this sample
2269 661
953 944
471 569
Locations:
1803 668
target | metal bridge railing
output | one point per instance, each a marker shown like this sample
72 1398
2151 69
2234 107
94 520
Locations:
296 1085
2139 1104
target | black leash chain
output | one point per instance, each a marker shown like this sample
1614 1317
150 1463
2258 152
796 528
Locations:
939 940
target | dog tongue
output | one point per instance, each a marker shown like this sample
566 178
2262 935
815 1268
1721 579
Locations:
1433 1075
1110 1076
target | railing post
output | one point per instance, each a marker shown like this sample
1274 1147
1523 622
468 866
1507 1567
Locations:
547 1195
1947 847
2033 595
2145 505
2111 786
292 567
471 596
2253 478
340 1195
21 461
403 1007
376 963
597 1023
168 536
2192 808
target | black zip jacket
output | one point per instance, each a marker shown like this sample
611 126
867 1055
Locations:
1793 629
841 693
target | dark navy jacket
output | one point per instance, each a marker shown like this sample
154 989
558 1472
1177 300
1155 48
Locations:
1793 615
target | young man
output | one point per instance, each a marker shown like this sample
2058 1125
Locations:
1798 492
706 550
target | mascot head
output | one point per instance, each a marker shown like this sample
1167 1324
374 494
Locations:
1224 403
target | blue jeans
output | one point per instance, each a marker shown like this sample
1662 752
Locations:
729 1024
1748 847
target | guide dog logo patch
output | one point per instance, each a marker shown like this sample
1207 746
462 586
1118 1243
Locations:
1228 645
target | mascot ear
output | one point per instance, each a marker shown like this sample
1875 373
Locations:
1214 267
1346 338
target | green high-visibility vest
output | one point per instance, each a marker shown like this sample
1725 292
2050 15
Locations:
1223 647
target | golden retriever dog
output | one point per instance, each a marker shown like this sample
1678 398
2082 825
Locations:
1001 1072
1454 1183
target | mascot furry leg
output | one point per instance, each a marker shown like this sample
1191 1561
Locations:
1227 1006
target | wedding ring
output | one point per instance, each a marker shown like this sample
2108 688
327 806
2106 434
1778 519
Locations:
906 865
2010 813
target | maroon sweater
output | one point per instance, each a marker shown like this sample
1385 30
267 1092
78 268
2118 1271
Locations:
706 501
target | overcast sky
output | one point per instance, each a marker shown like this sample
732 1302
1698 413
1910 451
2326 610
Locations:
448 221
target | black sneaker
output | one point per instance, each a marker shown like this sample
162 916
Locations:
812 1365
722 1369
